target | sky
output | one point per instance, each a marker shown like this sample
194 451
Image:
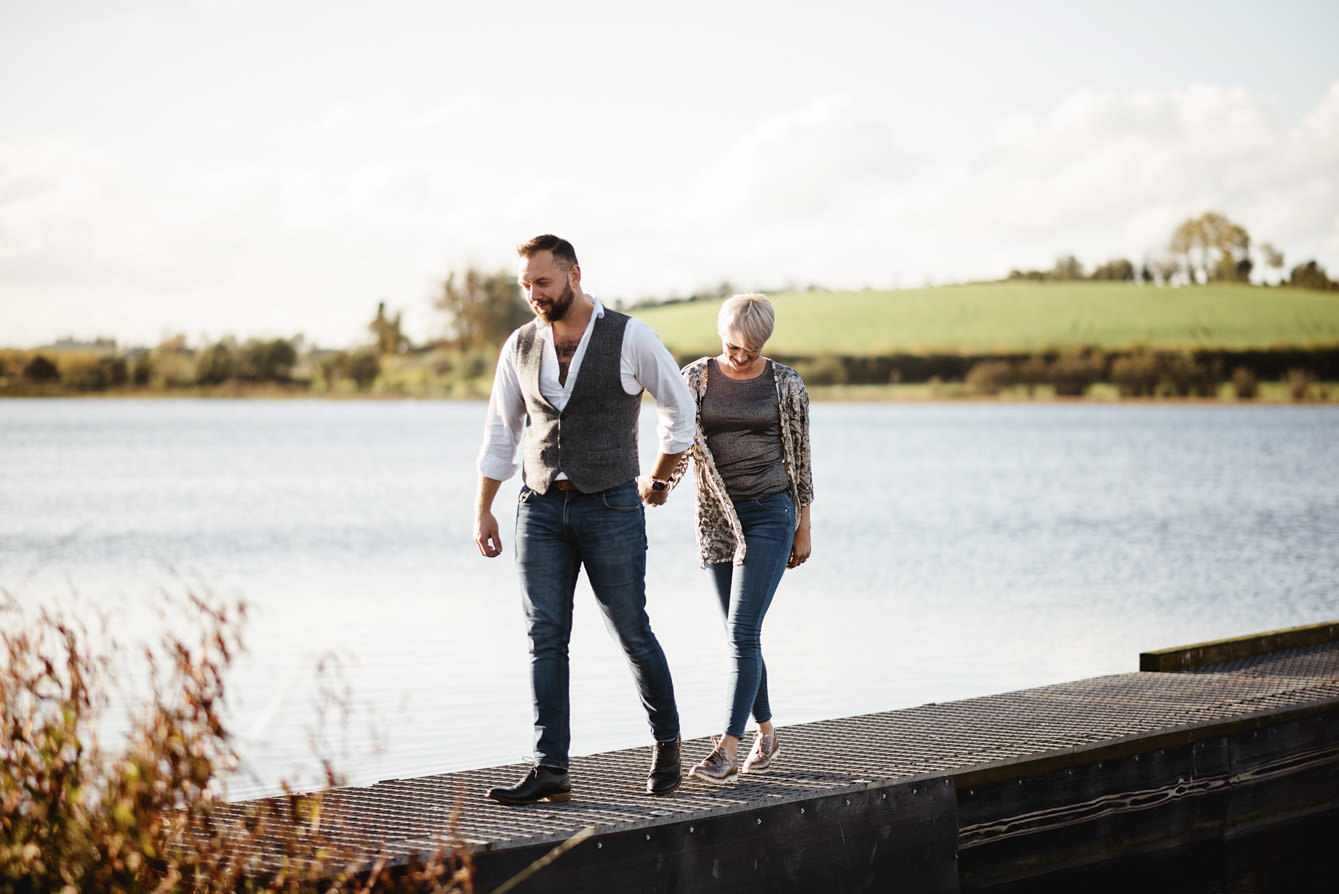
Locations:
269 168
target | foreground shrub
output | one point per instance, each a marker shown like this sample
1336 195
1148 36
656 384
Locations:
150 815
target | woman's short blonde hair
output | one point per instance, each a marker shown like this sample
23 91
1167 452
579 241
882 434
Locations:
750 317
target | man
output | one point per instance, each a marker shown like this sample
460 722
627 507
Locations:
568 389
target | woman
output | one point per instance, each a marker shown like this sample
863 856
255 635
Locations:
754 488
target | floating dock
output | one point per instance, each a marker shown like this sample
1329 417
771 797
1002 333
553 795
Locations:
1205 743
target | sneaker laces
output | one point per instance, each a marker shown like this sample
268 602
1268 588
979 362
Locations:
718 753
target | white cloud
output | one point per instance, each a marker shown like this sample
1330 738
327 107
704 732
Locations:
1105 174
383 201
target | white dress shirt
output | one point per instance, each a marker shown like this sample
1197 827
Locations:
643 364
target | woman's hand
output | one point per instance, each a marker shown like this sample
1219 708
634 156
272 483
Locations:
801 549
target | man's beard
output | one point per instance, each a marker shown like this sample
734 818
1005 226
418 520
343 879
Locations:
560 306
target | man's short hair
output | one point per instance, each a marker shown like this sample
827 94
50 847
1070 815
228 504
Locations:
563 253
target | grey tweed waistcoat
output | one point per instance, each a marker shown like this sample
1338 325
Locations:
594 438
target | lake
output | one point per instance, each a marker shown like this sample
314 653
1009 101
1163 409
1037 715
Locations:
959 550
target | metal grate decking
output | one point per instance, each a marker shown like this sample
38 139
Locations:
402 818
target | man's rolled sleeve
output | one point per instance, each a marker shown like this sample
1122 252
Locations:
655 370
504 421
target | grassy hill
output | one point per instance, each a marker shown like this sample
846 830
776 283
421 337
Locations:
1018 317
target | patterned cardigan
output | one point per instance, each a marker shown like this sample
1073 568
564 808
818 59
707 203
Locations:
720 538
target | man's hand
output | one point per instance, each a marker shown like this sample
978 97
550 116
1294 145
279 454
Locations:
651 496
663 469
486 536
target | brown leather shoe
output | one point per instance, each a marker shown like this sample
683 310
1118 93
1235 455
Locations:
718 768
763 754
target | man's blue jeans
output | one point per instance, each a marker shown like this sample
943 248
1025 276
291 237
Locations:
745 592
558 533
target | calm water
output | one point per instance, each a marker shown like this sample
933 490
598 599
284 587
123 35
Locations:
958 551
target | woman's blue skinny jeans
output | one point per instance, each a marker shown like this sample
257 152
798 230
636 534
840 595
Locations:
745 593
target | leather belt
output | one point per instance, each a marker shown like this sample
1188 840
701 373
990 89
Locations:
564 484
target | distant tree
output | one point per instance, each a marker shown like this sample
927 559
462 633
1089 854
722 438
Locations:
1232 245
171 363
1272 257
1136 374
1033 372
1244 383
174 344
1299 382
990 377
1119 269
1181 375
92 372
40 369
363 366
330 367
81 371
141 368
1238 270
1212 248
1072 373
386 332
1067 267
267 361
482 308
217 363
1311 276
1185 242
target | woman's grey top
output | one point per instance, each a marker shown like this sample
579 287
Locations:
720 537
743 429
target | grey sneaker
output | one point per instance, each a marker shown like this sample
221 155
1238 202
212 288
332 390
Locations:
764 751
717 768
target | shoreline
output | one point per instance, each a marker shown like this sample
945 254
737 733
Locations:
952 394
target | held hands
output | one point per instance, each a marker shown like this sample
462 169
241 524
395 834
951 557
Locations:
650 496
486 535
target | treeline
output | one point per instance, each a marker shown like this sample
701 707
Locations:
1070 372
481 309
1204 249
174 365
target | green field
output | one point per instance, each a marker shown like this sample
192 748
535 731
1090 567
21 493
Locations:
1013 317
